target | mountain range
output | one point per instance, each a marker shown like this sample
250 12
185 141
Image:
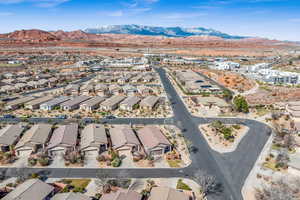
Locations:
160 31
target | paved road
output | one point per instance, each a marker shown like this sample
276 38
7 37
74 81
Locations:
230 169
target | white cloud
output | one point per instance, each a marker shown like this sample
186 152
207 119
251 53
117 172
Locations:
39 3
179 16
118 13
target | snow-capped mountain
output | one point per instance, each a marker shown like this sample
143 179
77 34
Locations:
160 31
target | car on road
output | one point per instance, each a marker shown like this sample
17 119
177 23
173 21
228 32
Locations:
8 116
110 117
61 116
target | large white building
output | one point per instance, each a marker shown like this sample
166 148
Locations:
230 66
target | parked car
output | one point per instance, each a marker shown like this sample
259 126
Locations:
8 116
110 117
62 116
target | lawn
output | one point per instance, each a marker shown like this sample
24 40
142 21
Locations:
78 183
174 163
262 111
10 65
182 186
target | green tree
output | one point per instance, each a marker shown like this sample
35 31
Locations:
240 104
227 95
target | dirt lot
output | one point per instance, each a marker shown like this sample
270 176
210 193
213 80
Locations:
230 79
273 94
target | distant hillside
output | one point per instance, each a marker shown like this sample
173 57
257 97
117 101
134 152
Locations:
160 31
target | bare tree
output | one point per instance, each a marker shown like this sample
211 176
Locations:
289 141
101 180
208 183
282 189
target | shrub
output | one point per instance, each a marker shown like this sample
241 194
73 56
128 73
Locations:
32 161
79 189
44 161
116 162
34 175
240 104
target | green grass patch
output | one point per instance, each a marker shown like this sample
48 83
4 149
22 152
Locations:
261 111
182 186
77 183
10 65
174 163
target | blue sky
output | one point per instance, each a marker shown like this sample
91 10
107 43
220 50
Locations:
274 19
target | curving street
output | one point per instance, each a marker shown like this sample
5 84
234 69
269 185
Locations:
230 169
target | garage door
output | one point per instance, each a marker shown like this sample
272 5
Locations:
24 153
157 152
57 153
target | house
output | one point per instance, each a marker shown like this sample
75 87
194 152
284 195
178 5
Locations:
94 138
165 193
92 104
143 90
112 103
115 89
101 90
64 138
15 104
87 89
154 141
124 139
211 102
50 105
9 136
129 103
149 102
72 89
73 103
129 90
34 139
70 196
122 195
32 189
35 104
293 108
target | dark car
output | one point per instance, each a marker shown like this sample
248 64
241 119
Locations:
110 117
9 116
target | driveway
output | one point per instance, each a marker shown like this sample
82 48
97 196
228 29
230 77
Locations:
90 159
57 160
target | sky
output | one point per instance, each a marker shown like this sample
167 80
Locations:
273 19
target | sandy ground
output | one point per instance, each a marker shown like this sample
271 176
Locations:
220 145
